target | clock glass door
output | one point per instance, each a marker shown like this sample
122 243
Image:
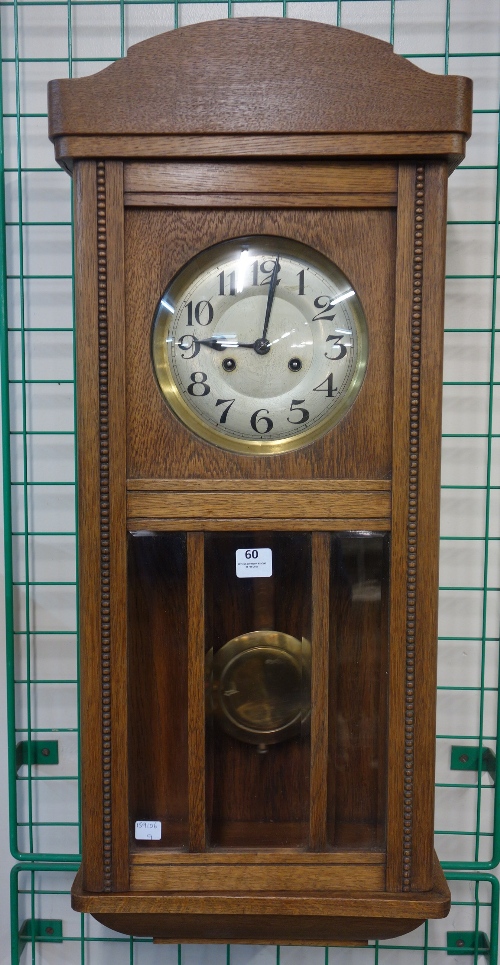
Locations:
244 649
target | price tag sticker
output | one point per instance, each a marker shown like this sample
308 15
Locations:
148 830
254 562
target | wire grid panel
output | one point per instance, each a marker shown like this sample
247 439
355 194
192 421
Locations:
40 892
43 39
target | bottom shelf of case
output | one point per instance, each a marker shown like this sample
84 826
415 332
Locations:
266 918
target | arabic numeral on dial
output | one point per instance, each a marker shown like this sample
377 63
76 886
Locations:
203 313
267 268
231 282
296 407
257 419
189 343
301 275
337 342
326 386
323 302
228 403
198 383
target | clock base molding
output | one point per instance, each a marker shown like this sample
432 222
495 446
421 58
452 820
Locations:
341 917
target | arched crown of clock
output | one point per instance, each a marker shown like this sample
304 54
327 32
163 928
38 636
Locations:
313 79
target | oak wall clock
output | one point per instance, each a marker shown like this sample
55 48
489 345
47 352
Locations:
259 243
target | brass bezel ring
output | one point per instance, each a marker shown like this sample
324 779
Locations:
211 257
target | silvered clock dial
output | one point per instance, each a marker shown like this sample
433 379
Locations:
260 344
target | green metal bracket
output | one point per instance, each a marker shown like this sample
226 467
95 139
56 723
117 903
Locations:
466 758
37 752
39 930
467 943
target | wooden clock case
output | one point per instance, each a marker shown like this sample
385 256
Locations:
215 131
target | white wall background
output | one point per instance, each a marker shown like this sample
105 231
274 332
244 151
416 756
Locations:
36 38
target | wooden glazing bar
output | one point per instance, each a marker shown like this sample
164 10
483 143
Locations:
196 690
319 689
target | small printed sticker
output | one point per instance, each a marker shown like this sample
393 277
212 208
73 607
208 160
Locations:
254 562
148 830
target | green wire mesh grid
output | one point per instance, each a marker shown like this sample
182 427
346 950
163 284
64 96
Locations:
39 894
42 39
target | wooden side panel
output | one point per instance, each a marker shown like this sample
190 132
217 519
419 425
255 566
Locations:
88 520
115 294
434 214
399 543
102 520
417 407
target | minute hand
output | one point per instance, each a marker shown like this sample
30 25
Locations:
270 297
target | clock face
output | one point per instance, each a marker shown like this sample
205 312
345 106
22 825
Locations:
260 344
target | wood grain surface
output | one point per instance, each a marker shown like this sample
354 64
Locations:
342 904
319 177
159 242
271 877
259 485
251 524
400 478
427 571
196 690
448 146
267 505
260 200
159 87
321 726
89 522
327 835
261 184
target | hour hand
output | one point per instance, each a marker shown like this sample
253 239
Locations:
217 342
